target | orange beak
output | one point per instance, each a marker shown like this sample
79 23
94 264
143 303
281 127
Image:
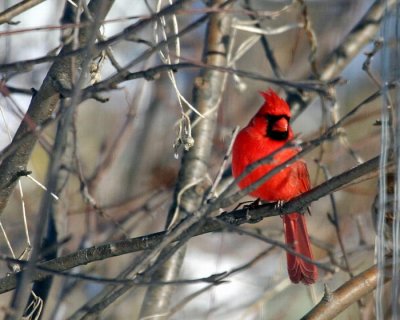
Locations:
281 125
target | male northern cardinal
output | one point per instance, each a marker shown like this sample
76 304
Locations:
267 131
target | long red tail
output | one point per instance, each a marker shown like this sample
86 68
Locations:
296 237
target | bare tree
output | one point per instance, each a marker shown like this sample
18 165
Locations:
118 117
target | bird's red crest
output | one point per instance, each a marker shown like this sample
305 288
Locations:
274 105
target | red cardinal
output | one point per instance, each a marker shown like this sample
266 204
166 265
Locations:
267 131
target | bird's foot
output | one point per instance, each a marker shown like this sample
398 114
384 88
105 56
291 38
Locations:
279 205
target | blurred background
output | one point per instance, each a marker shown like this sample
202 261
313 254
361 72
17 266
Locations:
126 155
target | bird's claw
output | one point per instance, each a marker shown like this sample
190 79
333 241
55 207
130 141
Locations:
279 204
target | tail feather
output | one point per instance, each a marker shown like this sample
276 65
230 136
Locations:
296 237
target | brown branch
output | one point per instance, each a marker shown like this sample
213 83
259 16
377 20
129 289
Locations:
151 73
207 93
237 217
363 33
337 301
64 76
8 14
358 37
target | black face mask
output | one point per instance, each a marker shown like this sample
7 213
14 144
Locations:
276 135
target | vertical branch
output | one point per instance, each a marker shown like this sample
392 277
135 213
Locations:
51 84
388 200
392 66
207 93
42 288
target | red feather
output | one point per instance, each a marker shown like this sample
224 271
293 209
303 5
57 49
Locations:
262 136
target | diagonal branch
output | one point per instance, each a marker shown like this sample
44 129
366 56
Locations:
237 217
8 14
363 33
333 303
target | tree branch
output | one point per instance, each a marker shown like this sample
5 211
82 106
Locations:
8 14
65 78
337 301
358 38
190 189
237 217
47 97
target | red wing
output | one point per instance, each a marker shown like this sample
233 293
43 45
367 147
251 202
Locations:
303 176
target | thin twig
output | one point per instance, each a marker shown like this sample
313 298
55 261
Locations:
334 219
